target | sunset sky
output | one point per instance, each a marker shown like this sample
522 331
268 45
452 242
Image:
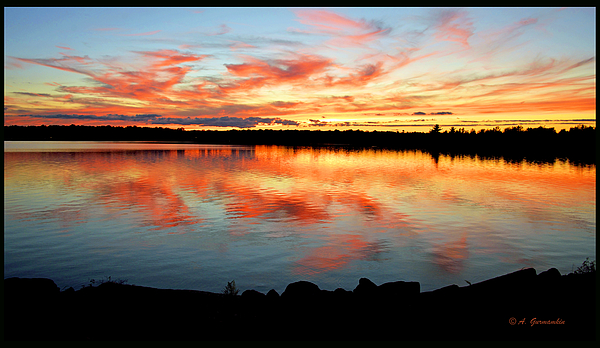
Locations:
300 68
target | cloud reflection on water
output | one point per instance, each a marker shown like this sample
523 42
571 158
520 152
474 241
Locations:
340 205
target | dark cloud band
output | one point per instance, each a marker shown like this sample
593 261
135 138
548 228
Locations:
109 117
226 121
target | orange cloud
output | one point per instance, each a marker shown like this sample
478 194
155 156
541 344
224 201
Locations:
296 70
148 85
300 67
171 57
364 75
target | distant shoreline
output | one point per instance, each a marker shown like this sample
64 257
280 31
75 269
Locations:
577 145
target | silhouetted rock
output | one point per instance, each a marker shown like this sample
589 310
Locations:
30 308
505 284
365 287
342 294
32 289
253 295
399 288
549 275
441 295
450 289
301 290
272 294
391 311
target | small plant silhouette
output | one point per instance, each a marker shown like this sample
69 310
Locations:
231 289
108 279
586 267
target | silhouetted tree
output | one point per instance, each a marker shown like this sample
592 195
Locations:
513 130
436 129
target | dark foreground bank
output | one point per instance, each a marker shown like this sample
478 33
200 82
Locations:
522 305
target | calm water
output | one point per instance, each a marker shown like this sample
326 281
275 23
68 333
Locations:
197 216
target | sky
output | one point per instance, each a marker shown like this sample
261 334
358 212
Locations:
384 68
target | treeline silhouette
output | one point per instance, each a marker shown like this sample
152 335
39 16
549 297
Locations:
578 144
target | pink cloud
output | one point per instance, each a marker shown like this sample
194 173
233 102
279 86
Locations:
223 29
453 26
64 48
402 59
10 63
171 57
142 34
360 39
499 41
329 20
347 32
238 44
187 46
78 59
527 21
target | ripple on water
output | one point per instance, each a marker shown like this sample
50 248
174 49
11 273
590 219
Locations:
266 217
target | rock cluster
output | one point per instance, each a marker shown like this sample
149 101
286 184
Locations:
519 305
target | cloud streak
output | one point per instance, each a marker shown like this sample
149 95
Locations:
453 26
143 34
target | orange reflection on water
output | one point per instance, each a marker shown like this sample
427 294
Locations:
362 196
162 208
450 256
340 250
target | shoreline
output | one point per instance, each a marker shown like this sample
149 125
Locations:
522 305
514 144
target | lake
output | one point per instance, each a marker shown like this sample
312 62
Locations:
188 216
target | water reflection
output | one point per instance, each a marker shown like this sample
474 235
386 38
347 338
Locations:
327 209
450 256
338 252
